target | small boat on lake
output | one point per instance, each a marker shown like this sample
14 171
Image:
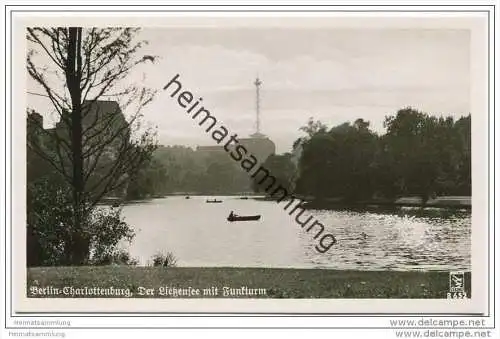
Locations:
215 201
233 217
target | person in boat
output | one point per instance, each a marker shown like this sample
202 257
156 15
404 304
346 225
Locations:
235 217
232 215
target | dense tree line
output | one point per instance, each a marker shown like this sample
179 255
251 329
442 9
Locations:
419 155
281 167
176 169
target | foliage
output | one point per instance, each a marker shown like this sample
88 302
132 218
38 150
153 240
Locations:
50 228
310 129
337 163
165 260
149 181
116 257
49 220
428 154
187 170
224 175
313 128
419 155
282 168
106 229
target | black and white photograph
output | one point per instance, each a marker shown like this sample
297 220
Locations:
230 159
277 165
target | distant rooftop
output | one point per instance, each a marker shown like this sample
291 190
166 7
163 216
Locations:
258 135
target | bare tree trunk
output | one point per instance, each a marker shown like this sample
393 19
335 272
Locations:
78 250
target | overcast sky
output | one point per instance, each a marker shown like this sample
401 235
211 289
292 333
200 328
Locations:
334 75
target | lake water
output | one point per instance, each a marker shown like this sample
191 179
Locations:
198 234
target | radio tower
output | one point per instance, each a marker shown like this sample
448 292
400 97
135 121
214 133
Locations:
257 84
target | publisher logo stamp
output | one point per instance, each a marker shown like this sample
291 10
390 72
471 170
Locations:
457 285
457 282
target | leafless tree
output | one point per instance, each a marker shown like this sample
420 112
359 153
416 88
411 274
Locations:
94 148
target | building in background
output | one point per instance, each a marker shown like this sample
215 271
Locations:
105 132
257 143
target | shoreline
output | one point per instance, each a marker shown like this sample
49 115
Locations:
445 202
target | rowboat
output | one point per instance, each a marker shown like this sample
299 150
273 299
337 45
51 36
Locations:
233 217
215 201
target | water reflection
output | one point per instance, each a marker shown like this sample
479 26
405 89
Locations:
370 239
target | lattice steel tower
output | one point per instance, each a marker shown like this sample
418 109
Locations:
257 84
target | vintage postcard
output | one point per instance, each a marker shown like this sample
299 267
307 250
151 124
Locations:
314 163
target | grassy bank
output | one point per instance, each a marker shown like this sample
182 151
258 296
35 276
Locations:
279 283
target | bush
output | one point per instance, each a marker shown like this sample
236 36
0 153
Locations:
106 229
165 260
50 228
118 257
49 219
